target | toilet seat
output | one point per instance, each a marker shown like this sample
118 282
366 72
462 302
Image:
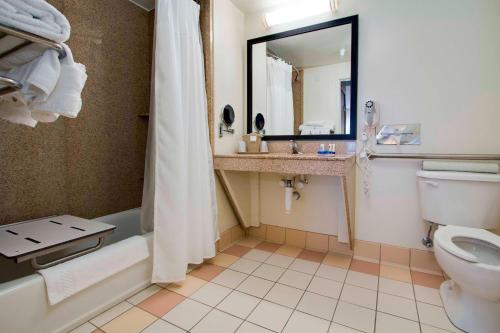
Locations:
444 238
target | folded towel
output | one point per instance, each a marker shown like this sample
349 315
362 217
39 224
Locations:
460 166
67 279
16 113
35 16
315 123
66 98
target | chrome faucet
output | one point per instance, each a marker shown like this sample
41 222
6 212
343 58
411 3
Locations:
294 147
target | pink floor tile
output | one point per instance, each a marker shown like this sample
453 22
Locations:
426 280
237 250
311 255
365 267
207 272
269 247
161 303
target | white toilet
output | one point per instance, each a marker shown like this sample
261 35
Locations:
467 204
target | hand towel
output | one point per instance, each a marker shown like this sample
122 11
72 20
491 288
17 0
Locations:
461 166
16 113
37 17
67 279
66 98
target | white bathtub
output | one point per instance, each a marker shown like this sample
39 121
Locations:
24 307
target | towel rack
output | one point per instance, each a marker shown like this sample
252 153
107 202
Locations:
470 157
8 85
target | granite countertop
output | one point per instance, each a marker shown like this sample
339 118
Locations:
288 156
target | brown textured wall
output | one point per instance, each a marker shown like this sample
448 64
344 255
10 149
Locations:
298 99
91 165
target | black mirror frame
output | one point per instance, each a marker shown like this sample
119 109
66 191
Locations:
353 20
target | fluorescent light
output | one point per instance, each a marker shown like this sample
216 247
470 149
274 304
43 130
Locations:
299 10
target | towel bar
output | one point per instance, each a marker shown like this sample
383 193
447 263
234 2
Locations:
10 85
35 238
469 157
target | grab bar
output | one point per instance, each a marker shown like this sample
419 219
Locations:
470 157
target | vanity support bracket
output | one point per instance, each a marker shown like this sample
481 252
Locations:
221 174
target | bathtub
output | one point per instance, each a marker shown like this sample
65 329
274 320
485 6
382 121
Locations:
24 307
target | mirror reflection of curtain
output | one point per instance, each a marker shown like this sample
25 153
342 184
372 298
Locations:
279 98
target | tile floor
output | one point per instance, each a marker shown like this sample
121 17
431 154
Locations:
259 287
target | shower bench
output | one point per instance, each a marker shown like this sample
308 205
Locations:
32 239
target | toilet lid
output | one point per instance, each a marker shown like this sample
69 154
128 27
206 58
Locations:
447 238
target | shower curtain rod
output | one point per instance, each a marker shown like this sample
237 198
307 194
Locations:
269 53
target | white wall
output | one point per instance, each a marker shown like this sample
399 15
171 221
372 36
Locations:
428 62
229 41
229 47
322 92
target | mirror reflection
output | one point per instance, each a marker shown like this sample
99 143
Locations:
302 84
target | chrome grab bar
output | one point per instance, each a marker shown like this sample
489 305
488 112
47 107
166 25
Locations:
10 85
468 157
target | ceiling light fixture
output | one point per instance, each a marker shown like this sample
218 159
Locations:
299 10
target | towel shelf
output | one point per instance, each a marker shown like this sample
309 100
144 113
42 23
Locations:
8 85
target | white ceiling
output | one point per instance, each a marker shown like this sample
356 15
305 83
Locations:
317 48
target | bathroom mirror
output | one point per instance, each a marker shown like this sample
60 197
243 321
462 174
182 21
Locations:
260 122
303 82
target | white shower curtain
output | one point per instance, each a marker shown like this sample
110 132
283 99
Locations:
179 190
279 98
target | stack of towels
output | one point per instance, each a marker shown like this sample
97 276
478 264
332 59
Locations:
51 86
316 127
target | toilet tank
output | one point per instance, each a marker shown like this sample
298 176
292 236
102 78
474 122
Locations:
460 198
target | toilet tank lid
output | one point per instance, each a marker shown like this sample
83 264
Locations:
454 175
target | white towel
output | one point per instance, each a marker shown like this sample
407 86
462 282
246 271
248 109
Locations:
66 98
35 16
16 113
67 279
461 166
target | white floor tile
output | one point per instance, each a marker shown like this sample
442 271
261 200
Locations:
325 287
300 322
362 280
279 260
295 279
337 328
391 324
398 306
428 295
85 328
255 286
238 304
270 315
245 265
248 327
229 278
284 295
186 314
161 326
211 294
304 266
317 305
142 295
354 316
257 255
110 314
217 321
396 288
430 329
434 316
269 272
332 273
359 296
